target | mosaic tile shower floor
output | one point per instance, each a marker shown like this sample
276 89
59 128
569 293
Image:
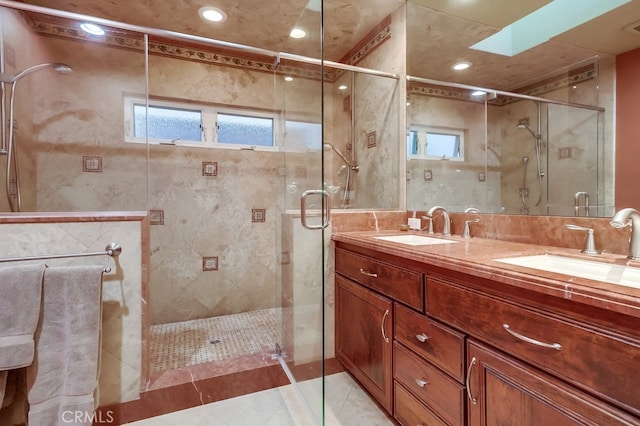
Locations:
186 343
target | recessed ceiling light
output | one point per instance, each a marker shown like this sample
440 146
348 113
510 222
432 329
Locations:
92 29
342 87
297 33
461 66
288 78
212 14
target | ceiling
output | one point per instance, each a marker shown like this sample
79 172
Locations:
439 32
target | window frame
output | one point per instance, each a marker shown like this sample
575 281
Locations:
209 114
426 130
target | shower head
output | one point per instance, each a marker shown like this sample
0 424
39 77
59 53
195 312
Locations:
328 147
525 160
58 67
523 125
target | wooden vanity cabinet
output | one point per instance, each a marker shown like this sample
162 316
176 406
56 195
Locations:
413 366
477 351
596 360
364 338
503 391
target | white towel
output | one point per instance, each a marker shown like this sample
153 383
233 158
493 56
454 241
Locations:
20 290
64 375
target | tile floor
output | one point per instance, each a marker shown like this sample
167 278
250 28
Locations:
187 343
346 404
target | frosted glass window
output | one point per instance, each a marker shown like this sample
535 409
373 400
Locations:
245 130
166 123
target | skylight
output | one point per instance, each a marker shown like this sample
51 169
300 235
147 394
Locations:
539 26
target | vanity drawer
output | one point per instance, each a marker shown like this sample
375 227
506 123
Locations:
399 284
437 343
598 362
409 411
432 387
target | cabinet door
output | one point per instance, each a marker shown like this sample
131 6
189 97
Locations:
502 391
364 338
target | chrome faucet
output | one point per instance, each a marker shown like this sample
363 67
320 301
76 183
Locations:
446 230
623 218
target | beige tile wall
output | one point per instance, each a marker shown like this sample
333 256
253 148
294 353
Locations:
122 301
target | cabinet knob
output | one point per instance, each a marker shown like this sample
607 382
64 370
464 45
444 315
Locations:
421 382
422 337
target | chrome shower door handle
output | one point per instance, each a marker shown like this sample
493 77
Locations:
326 208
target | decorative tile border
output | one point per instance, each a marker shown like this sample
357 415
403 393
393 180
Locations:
92 164
556 83
227 57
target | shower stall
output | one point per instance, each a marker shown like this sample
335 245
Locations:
219 151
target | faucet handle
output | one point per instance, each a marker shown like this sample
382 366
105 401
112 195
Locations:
430 219
589 242
466 233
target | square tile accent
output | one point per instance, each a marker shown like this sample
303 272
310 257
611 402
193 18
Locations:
156 217
285 258
209 168
258 215
92 163
346 103
565 153
210 263
482 176
300 172
428 175
371 140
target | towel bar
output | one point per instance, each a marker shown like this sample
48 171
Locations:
112 250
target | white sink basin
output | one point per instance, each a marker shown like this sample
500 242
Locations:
593 270
415 240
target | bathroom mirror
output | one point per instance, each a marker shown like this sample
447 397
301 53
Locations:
520 156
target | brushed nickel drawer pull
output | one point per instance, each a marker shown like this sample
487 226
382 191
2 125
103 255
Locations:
471 398
384 317
422 337
421 382
556 346
363 272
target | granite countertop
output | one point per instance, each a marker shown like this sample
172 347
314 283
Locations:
477 257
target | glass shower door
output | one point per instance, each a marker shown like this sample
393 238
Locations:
302 236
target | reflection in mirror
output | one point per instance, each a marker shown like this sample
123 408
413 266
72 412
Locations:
361 141
545 166
521 155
